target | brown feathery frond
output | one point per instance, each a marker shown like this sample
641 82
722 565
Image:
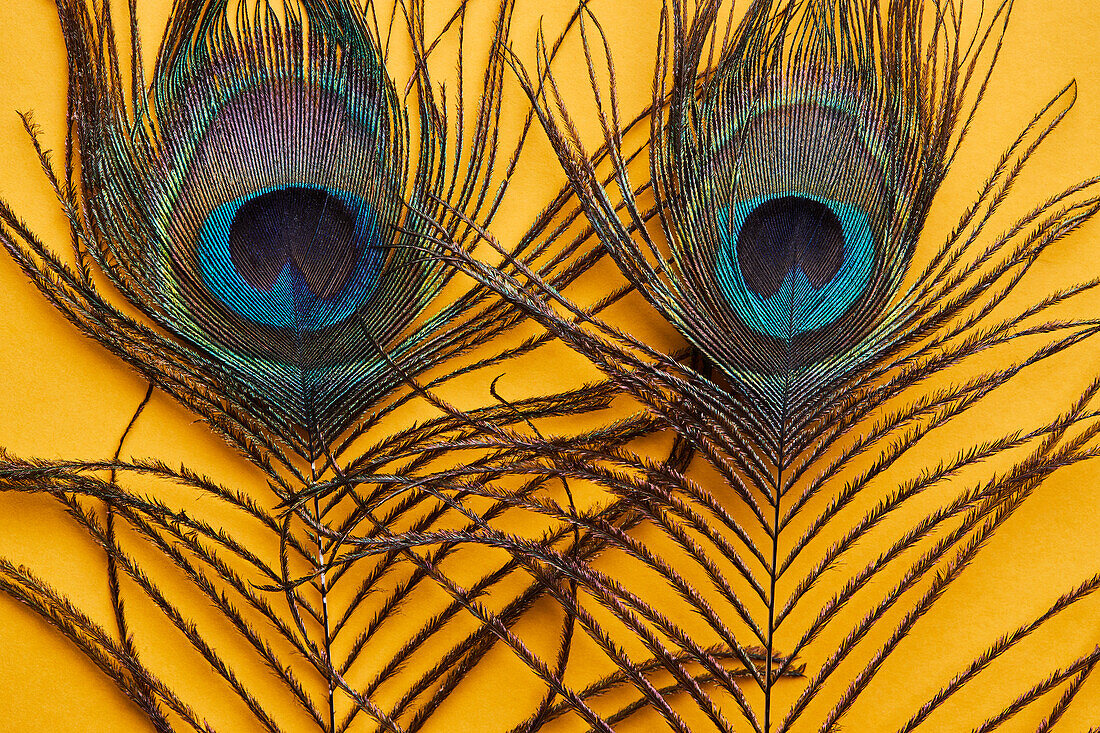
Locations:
795 153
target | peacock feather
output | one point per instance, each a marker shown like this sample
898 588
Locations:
254 232
248 201
796 152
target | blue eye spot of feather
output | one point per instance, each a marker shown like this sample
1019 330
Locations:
790 264
297 257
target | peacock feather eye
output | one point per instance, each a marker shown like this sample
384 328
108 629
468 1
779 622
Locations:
791 263
795 175
254 204
804 196
286 231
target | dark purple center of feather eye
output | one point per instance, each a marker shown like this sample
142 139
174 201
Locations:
309 228
786 233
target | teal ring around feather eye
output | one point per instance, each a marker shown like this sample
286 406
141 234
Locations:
289 304
811 308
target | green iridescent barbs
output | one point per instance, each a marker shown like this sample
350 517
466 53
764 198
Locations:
252 203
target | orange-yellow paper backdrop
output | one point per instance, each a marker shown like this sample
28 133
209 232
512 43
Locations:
62 396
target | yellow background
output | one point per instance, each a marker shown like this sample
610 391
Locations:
63 396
